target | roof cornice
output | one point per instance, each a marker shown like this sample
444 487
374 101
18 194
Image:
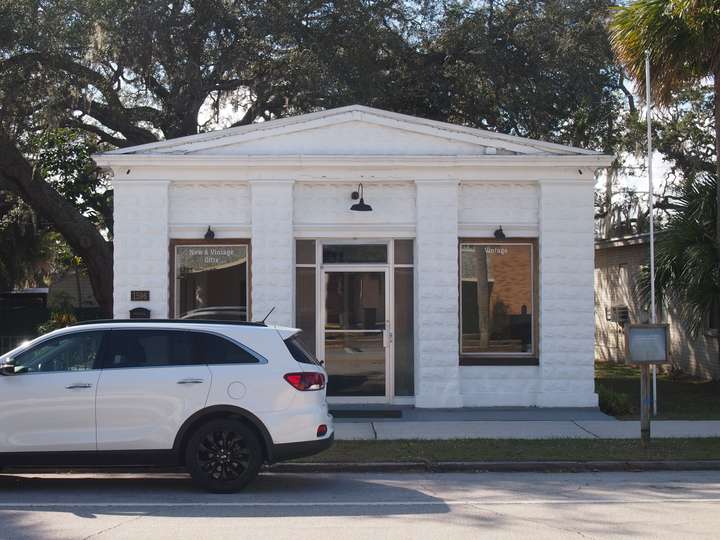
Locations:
170 161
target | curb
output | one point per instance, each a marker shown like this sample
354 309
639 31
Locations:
496 466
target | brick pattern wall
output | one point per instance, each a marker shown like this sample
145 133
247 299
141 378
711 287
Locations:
566 295
141 246
499 204
209 203
272 264
437 327
329 203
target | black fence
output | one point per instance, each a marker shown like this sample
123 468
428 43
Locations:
20 323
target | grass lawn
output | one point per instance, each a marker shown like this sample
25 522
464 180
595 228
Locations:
519 450
679 398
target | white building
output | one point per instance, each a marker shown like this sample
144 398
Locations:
420 300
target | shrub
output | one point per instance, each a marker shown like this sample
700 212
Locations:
57 320
614 403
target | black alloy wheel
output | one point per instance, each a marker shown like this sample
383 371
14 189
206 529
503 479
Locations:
223 455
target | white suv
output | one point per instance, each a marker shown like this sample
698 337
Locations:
219 398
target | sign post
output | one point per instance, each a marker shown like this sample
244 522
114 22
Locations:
646 345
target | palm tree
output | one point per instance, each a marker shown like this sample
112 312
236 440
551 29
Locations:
687 266
683 38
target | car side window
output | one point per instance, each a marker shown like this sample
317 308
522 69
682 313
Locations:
214 349
149 348
70 352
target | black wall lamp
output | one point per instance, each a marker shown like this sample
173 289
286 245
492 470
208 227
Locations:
499 233
210 234
359 206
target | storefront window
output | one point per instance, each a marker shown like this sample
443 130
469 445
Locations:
211 281
497 298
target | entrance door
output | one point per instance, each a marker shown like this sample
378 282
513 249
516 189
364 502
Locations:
356 333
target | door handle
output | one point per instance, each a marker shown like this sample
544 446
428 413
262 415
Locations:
191 381
78 385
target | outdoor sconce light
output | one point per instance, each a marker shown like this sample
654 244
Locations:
359 206
499 234
210 234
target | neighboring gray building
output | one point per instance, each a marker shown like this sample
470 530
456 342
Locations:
617 264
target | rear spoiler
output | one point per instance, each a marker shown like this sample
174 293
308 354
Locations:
286 332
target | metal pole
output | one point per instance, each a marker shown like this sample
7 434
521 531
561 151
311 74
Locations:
645 400
651 197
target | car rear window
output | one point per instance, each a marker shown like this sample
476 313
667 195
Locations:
299 352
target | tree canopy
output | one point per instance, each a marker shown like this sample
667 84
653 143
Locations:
124 72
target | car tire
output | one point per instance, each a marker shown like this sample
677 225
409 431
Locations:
223 456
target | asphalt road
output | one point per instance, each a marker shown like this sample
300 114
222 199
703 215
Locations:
350 506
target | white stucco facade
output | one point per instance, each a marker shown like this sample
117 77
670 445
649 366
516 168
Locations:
275 183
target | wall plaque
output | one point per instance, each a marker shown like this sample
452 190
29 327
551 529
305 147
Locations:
140 296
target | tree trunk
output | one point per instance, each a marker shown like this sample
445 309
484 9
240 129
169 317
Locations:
17 175
717 159
717 172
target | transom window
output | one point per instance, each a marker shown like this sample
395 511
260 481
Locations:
497 298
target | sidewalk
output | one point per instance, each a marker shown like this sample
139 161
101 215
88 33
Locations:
511 423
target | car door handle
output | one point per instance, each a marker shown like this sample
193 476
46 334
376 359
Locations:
191 381
78 385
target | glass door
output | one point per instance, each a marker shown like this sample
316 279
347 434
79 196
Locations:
355 332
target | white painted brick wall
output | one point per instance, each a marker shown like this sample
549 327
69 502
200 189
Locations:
272 250
141 246
566 295
437 372
499 386
329 203
496 204
209 203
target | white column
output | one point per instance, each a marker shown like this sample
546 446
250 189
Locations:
140 246
567 324
437 371
272 250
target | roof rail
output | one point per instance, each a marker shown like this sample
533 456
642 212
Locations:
174 321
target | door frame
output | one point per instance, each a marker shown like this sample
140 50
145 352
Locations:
320 315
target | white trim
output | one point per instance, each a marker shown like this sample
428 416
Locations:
486 229
384 268
366 232
174 162
197 230
175 281
341 115
533 336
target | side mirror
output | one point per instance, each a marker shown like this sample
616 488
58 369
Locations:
7 369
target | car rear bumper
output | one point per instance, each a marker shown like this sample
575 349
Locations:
286 451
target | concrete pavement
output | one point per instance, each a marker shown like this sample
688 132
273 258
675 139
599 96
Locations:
519 423
358 506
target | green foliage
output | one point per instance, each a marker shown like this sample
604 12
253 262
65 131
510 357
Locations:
63 158
614 403
681 35
687 263
25 250
684 132
58 319
532 68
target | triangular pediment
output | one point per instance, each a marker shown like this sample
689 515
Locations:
348 131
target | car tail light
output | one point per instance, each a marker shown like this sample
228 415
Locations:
306 380
322 430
